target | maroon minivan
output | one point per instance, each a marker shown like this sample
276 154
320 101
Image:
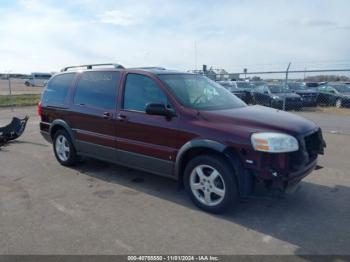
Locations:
179 125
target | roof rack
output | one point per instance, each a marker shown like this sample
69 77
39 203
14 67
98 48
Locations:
149 67
117 66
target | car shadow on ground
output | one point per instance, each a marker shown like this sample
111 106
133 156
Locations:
315 218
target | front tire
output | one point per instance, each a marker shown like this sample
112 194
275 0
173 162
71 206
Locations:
210 183
64 149
338 103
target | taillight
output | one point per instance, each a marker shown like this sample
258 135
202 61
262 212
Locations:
40 109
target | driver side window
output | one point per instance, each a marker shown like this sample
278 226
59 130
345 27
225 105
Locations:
141 90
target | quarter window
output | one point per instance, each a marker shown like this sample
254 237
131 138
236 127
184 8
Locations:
141 90
97 89
57 88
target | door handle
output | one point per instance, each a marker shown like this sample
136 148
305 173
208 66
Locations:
121 117
107 115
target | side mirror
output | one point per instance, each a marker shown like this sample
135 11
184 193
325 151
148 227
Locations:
159 109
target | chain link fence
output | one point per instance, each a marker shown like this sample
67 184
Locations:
322 96
293 95
18 91
325 102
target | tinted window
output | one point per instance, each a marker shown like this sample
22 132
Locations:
342 88
278 89
57 88
97 89
141 90
243 85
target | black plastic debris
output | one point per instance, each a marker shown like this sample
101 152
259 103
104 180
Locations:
13 130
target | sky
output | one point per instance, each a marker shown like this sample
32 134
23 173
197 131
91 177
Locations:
44 36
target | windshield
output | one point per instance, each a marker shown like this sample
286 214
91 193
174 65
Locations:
243 85
199 92
342 88
258 83
278 89
228 85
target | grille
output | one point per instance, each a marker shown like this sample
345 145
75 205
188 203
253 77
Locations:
309 147
294 99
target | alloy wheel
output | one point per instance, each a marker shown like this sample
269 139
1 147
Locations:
62 148
207 185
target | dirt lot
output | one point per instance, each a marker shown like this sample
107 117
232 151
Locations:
99 208
18 87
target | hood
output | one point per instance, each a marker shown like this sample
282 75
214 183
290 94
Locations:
238 90
258 119
347 94
285 95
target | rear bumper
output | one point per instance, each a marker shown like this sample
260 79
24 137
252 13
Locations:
46 136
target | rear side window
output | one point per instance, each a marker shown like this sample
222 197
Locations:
97 89
57 89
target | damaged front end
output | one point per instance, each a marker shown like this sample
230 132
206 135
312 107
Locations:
281 173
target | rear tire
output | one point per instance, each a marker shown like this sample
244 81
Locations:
64 149
210 182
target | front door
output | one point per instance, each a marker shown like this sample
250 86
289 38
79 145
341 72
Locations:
93 111
146 142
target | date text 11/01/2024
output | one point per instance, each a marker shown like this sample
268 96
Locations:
173 258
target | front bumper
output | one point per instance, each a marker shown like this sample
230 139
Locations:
288 104
281 172
309 101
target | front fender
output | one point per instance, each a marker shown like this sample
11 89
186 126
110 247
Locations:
197 143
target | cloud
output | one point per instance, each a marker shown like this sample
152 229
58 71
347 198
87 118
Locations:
48 35
117 17
315 22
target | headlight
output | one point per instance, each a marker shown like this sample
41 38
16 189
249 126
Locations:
275 97
274 142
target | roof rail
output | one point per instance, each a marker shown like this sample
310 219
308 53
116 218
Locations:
117 66
148 67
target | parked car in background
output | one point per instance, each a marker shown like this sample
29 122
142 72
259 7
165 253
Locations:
178 125
334 94
239 88
38 79
308 95
230 86
276 96
257 83
314 84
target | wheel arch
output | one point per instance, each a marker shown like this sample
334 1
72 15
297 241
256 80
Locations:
197 147
61 124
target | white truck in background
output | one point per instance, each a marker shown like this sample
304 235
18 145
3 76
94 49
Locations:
38 79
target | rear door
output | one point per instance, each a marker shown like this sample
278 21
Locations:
324 95
259 95
146 142
266 96
93 111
